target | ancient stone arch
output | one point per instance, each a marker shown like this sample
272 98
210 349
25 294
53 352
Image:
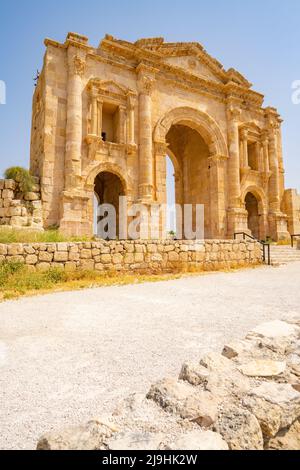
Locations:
198 120
122 101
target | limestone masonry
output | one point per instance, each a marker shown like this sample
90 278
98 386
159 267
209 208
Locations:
140 256
247 398
104 120
18 209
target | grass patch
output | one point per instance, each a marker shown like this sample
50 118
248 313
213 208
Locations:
30 236
17 280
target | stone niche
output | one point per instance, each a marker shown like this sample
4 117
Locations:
20 210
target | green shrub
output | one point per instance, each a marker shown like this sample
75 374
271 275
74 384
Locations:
21 176
9 268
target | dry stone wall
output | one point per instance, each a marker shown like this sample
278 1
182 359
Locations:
20 210
247 398
138 255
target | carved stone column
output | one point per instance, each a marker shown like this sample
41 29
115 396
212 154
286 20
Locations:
94 113
122 124
217 196
99 114
274 189
233 168
234 158
244 149
265 146
76 69
145 84
130 119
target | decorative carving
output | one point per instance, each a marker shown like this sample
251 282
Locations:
146 84
79 66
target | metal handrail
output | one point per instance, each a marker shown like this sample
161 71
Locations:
265 246
296 235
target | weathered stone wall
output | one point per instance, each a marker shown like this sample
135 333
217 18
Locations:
247 398
291 206
135 255
20 210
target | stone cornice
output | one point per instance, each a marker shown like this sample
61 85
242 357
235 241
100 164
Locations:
153 60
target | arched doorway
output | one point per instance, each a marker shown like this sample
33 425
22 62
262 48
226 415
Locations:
108 188
252 207
190 155
199 153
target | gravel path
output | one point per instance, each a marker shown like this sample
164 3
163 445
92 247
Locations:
69 357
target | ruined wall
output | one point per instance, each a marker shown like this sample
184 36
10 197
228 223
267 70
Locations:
20 210
291 206
140 256
246 398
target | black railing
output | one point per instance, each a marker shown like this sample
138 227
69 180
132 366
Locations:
265 246
293 237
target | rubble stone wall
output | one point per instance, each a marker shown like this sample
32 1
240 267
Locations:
135 255
245 398
20 210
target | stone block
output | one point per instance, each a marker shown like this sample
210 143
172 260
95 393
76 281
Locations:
61 256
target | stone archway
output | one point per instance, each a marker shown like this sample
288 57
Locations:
255 206
198 150
108 188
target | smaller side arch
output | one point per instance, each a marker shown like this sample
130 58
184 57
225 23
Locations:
258 193
110 168
257 220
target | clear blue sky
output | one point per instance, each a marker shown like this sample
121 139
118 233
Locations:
259 38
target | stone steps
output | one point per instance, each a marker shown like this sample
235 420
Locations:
284 254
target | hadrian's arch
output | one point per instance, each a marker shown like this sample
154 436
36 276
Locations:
121 107
198 151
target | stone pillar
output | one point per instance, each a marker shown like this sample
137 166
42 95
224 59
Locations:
216 165
76 69
99 114
233 168
234 158
265 146
94 114
122 124
244 149
258 156
274 191
145 84
130 119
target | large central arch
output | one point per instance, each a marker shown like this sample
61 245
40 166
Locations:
197 120
189 122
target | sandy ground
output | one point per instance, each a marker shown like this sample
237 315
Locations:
69 357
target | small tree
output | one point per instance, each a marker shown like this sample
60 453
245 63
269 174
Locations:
21 176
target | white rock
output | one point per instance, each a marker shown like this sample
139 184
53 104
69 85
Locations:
135 441
239 428
195 374
199 440
189 402
263 368
275 329
91 436
276 406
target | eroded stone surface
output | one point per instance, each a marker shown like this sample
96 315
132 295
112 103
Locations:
275 405
199 440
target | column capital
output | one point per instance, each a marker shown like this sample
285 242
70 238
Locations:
244 134
233 113
146 84
146 78
131 101
77 65
216 160
160 148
